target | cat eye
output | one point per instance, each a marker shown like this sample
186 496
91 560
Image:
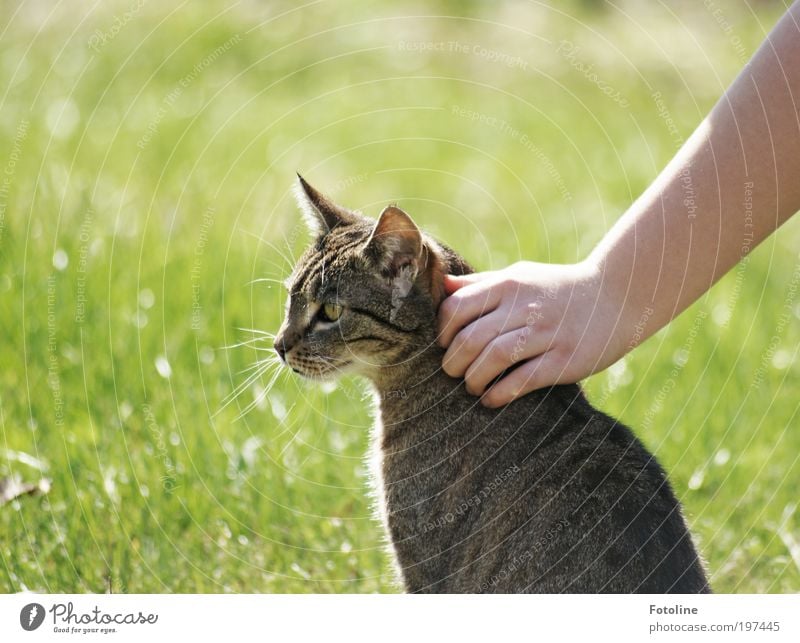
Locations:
330 312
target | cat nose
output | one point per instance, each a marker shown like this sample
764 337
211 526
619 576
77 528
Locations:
280 349
282 346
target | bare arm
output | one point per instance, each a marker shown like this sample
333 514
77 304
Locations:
686 231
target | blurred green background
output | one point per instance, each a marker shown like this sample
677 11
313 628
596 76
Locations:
147 152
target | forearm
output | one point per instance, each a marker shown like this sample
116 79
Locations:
733 183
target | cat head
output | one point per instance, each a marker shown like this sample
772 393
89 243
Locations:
364 296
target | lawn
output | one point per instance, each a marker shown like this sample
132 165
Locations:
147 153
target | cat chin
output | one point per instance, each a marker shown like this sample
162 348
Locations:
329 375
318 377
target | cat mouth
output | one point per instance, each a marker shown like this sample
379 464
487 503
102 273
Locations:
320 371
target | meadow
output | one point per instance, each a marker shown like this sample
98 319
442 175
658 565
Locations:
147 154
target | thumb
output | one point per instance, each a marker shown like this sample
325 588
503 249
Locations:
456 282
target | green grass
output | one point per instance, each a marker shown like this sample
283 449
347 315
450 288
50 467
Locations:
159 164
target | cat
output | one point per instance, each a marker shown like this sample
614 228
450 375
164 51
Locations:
546 494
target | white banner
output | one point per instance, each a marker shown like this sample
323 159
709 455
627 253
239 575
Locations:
389 618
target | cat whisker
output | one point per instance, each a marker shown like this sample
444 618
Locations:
289 443
331 360
261 368
289 260
260 396
271 360
289 250
256 331
247 342
277 267
334 364
267 280
287 425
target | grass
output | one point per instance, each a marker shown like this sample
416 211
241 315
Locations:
148 154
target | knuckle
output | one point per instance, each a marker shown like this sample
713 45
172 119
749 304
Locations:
458 342
508 287
457 345
498 352
558 357
533 306
471 343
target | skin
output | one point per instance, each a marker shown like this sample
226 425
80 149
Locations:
560 323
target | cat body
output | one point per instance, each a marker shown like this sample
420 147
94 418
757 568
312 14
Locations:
546 494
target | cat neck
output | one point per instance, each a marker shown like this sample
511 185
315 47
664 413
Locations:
418 387
415 376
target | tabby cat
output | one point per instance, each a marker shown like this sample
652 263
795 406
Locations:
547 494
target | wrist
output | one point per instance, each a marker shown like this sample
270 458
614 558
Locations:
619 304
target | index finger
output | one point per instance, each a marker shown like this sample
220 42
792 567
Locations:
465 306
456 282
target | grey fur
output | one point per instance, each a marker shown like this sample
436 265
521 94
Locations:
547 494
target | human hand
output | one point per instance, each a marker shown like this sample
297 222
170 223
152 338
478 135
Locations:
553 318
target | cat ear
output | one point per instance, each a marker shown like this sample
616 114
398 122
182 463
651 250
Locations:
320 214
396 243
